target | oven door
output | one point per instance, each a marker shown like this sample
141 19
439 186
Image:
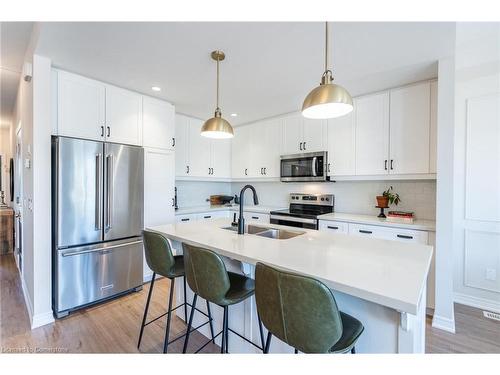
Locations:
304 167
292 221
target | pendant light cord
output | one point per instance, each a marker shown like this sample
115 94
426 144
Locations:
326 46
217 104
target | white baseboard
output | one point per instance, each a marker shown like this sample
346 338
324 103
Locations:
147 277
27 300
480 303
443 323
42 319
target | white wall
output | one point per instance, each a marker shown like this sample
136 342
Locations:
477 165
196 193
6 152
357 197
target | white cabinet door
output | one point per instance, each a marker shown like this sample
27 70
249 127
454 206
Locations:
80 107
313 135
199 150
272 136
433 130
181 146
341 146
123 116
372 134
158 124
292 134
221 158
240 151
334 226
409 129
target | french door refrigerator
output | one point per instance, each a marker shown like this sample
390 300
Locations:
97 218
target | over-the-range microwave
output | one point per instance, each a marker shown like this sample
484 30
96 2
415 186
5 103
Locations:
310 166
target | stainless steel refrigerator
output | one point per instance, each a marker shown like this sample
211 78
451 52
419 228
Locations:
97 218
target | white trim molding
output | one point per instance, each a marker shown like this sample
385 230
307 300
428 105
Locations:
27 300
480 303
443 323
42 319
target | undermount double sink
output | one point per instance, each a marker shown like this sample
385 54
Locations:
268 232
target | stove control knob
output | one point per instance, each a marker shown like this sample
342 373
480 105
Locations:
324 199
327 199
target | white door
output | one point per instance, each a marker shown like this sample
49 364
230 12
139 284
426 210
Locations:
80 107
313 135
341 145
240 151
221 158
292 134
158 124
272 147
123 116
199 151
159 182
410 129
181 146
372 134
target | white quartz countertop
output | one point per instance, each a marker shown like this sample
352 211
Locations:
235 207
428 225
388 273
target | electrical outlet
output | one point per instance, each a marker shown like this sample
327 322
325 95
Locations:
491 274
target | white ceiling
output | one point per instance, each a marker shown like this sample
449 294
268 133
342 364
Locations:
269 68
14 38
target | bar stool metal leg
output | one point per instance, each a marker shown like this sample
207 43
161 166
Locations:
146 309
226 349
223 343
353 350
268 342
191 315
211 322
261 332
185 301
169 315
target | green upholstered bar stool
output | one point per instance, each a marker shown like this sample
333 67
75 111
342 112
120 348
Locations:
162 262
302 312
208 278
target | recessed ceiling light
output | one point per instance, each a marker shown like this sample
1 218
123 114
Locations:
156 88
234 115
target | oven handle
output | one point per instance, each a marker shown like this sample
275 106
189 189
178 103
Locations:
294 219
314 164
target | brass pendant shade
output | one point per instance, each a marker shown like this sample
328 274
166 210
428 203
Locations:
217 127
328 100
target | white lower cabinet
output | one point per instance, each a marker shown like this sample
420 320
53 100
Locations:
334 226
254 216
185 218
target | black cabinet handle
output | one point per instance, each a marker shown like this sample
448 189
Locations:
173 142
405 237
102 131
365 231
391 164
262 171
385 164
109 131
186 219
328 167
304 145
255 217
207 217
173 202
265 170
212 170
300 146
246 169
187 169
329 227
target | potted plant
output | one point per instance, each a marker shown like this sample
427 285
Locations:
388 197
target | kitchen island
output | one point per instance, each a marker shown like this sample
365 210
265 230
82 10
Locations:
382 283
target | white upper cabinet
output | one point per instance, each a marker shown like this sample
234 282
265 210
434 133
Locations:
80 107
221 158
199 150
372 134
303 135
181 146
433 130
265 148
240 152
410 129
341 146
123 116
158 124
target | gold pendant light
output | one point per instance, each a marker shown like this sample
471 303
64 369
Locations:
328 100
217 127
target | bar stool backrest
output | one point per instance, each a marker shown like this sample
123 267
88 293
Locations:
158 253
299 310
206 274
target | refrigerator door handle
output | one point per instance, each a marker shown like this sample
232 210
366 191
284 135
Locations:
109 191
98 176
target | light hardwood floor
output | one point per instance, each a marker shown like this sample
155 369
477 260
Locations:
113 327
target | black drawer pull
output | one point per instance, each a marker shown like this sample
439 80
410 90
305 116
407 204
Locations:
403 236
365 231
186 219
329 227
255 217
207 217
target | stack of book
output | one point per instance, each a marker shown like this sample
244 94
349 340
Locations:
400 217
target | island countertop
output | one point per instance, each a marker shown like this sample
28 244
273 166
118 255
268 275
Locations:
389 273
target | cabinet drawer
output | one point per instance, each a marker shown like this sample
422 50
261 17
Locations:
185 218
213 215
253 216
385 233
367 230
334 226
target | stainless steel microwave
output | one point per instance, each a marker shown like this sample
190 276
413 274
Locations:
305 167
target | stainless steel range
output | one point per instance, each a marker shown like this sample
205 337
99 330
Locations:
304 210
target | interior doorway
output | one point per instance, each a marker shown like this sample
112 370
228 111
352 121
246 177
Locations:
18 199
